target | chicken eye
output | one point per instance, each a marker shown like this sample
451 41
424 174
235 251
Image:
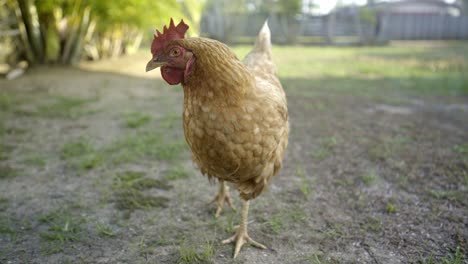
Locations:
174 52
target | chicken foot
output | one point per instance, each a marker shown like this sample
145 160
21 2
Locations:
221 197
241 236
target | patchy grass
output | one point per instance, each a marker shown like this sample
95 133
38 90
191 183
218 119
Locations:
457 257
326 148
6 102
149 145
6 227
190 254
7 172
81 154
451 195
304 186
275 223
169 121
36 160
62 228
369 178
3 203
390 208
105 230
176 173
387 147
128 189
356 180
136 119
462 150
297 214
372 224
60 107
417 69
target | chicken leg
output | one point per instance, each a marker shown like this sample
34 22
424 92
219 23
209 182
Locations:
221 197
241 236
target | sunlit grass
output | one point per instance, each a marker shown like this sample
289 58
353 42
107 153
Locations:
421 68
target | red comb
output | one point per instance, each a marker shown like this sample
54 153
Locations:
169 33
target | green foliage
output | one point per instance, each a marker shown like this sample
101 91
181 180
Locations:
56 31
141 14
289 7
368 15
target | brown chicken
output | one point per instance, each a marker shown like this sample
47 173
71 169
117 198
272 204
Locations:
235 114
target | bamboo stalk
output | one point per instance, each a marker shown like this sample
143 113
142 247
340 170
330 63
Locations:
31 22
30 56
52 38
81 33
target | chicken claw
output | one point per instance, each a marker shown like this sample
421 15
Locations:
221 197
241 236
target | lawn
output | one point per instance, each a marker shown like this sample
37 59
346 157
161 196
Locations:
94 167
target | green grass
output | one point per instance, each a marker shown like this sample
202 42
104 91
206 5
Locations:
388 147
190 254
372 225
276 223
6 102
390 208
81 154
136 119
105 230
177 172
304 186
4 202
6 226
327 145
128 190
7 172
169 121
458 257
62 228
65 107
151 145
35 160
369 178
462 150
360 70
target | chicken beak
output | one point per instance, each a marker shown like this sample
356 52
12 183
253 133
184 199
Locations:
153 64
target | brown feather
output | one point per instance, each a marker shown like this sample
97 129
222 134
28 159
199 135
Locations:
235 115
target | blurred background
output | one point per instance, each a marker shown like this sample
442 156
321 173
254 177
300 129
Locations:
67 31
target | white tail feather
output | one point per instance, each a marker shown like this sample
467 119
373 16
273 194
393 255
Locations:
263 42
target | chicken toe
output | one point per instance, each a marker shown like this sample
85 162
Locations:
241 236
222 196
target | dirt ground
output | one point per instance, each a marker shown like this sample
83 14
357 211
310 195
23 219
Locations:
94 169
